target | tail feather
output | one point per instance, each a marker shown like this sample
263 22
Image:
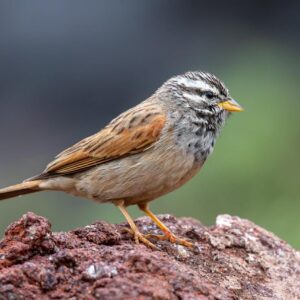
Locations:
23 188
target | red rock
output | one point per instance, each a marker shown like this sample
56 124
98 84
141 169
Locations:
233 260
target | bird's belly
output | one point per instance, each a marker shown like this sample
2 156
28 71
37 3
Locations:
138 178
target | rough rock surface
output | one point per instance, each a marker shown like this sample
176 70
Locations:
234 259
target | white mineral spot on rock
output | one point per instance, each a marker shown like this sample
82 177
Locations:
280 252
182 251
250 237
151 229
99 270
199 247
89 226
224 221
251 258
32 231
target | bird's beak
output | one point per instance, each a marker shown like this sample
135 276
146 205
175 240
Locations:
230 105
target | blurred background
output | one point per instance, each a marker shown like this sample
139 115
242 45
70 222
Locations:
69 67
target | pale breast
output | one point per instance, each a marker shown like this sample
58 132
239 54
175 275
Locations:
140 177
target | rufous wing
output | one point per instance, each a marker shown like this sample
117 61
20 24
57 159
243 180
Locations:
132 132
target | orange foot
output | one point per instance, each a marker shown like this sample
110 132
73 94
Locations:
169 236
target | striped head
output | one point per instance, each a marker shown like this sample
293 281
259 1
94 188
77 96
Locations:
202 91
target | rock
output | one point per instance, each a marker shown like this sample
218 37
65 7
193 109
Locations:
235 259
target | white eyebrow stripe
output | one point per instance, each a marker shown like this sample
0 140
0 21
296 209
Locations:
197 99
197 84
192 97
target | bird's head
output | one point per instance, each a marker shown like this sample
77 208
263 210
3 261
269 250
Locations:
201 91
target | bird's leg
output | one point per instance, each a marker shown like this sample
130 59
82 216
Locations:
167 233
138 236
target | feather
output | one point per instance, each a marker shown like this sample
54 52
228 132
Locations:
132 132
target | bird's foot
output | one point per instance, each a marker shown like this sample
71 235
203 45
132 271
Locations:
170 237
139 237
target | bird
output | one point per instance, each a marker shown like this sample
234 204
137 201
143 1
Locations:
146 152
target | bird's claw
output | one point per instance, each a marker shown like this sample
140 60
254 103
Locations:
170 237
139 237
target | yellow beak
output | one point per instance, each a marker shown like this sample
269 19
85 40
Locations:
230 105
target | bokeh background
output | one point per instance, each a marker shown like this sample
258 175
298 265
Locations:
68 67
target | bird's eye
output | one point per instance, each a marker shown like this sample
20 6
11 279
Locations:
209 94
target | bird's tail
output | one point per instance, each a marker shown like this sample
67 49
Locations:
23 188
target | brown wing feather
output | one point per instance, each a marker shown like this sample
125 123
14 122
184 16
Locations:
133 131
